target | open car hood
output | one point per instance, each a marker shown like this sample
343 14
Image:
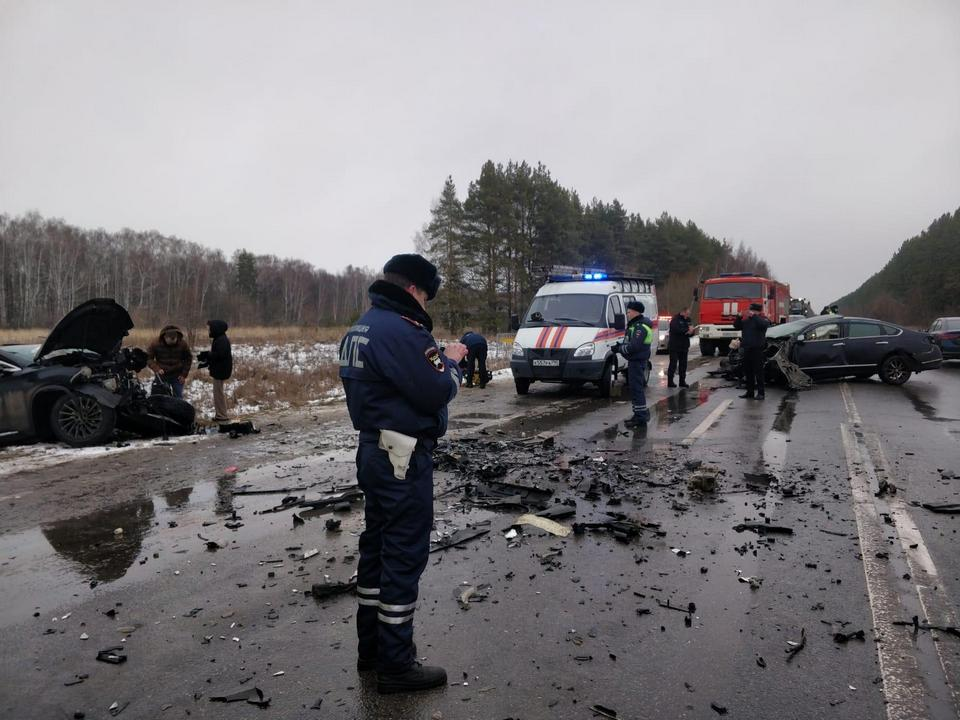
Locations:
98 325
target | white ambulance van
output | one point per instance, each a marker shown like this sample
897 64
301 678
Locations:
568 333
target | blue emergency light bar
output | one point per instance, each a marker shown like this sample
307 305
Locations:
577 277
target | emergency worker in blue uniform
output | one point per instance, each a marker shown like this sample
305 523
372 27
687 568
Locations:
635 348
476 356
398 384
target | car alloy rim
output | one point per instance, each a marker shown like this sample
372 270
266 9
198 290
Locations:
896 368
80 418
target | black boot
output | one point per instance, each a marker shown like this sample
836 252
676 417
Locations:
683 383
416 677
635 421
747 396
366 664
671 383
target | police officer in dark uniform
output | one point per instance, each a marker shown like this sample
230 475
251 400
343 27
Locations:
476 356
398 384
635 348
753 343
678 343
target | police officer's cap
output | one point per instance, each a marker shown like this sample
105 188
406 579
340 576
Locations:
417 269
635 305
757 307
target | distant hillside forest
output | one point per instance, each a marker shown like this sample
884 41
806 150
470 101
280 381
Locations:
490 249
492 245
920 282
48 267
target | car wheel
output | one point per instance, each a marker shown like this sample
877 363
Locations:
523 385
80 420
894 370
607 378
707 348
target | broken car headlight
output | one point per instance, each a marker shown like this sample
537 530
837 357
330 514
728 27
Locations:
517 350
585 350
110 384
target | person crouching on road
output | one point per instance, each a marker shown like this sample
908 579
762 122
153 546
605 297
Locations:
398 385
678 344
219 359
753 343
476 345
636 345
170 358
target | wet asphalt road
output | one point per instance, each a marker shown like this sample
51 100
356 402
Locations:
568 623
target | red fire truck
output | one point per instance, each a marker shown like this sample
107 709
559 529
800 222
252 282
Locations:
724 297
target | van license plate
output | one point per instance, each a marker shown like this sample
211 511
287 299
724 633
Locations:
546 363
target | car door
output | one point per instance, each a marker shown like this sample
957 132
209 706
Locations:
14 415
866 344
820 352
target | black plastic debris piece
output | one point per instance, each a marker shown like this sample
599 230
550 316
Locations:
116 708
345 496
332 525
76 680
111 613
322 591
760 478
112 655
885 487
342 507
763 528
604 712
297 520
845 637
193 613
944 508
718 708
244 427
796 647
253 696
247 490
212 545
917 626
233 524
495 493
558 512
316 705
461 536
761 662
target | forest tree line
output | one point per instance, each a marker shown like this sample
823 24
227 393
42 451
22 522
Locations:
491 246
920 283
47 267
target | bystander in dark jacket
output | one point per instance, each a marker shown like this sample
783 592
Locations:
678 344
219 360
476 356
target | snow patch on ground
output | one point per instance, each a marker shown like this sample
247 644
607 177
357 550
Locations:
33 457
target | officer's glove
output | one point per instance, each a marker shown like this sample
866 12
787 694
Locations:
618 347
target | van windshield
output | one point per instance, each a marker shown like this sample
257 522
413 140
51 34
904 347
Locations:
583 310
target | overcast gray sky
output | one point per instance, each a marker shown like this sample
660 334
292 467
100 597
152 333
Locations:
822 134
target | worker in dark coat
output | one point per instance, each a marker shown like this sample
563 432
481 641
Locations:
398 385
476 356
678 344
635 347
753 343
219 360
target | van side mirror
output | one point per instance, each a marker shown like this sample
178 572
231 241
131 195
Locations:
696 293
514 322
619 321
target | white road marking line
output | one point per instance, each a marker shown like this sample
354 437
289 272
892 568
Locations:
902 682
923 572
848 403
705 425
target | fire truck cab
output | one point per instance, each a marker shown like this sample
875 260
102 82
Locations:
724 297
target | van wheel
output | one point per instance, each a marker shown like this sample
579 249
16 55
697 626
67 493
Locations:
894 370
607 378
523 385
707 348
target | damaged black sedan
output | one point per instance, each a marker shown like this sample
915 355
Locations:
829 347
80 386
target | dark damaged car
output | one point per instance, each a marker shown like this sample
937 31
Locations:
80 386
832 347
